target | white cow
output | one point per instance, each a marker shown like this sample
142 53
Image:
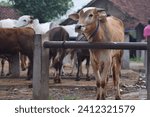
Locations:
40 28
8 23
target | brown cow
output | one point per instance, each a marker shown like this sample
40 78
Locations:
97 27
57 55
14 40
82 54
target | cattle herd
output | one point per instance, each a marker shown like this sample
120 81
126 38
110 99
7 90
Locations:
17 36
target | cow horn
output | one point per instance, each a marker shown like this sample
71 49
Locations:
100 9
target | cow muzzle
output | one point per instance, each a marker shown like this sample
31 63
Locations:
79 28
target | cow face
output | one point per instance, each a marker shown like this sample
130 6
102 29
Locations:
24 20
87 18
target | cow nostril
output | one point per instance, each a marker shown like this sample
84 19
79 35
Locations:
78 27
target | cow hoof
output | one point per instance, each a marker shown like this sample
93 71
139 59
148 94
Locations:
117 98
103 96
30 86
2 74
57 80
70 74
24 69
8 74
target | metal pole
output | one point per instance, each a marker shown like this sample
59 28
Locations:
148 68
87 45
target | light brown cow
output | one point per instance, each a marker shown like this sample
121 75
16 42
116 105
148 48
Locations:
97 27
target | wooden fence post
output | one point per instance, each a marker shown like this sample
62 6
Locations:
40 70
126 57
15 66
148 68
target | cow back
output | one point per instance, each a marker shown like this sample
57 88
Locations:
13 40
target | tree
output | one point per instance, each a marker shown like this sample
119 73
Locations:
5 3
44 10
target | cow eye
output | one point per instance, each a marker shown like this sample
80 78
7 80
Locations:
91 15
25 20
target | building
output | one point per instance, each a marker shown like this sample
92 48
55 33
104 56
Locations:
134 14
8 12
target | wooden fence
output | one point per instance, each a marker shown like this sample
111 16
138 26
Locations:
41 62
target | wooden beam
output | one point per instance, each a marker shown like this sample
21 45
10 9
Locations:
148 68
87 45
40 70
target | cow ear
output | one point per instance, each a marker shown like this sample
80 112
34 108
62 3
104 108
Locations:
32 17
101 14
74 16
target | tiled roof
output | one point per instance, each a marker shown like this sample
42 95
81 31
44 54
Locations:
138 9
8 12
134 11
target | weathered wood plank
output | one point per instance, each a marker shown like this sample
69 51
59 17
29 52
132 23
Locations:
148 68
40 70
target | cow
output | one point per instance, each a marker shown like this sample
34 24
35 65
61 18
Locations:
12 23
57 55
97 27
54 33
15 40
82 54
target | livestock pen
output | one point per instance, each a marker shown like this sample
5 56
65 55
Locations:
41 55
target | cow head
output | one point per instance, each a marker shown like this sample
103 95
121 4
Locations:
88 19
24 20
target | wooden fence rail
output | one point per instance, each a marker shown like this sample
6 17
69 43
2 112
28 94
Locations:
40 73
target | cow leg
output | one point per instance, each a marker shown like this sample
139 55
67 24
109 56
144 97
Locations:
2 70
87 67
23 60
96 66
98 78
58 66
105 72
62 71
116 68
9 69
57 78
73 64
73 59
78 69
30 69
9 66
72 69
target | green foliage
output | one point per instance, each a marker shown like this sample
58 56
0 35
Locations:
3 3
44 10
70 98
136 59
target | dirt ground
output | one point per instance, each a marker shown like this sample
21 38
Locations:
132 86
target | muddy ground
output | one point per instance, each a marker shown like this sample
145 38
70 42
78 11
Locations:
132 86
